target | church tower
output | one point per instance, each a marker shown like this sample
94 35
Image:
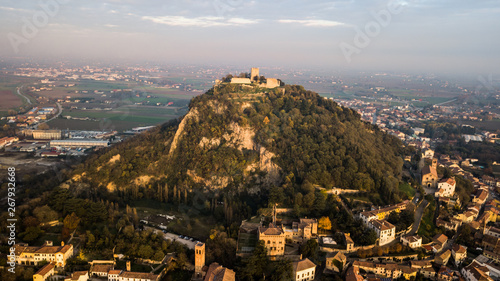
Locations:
199 260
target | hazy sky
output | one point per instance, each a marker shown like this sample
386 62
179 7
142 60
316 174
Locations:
456 36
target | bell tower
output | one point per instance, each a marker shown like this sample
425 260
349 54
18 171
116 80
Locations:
199 260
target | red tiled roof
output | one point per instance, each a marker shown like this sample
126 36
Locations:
46 269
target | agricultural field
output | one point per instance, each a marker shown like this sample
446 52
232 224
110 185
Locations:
106 108
9 99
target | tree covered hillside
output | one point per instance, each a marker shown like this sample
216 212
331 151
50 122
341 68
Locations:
248 139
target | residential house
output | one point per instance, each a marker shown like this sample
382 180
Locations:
335 261
459 253
476 272
78 276
304 270
386 232
101 270
446 187
443 258
44 273
439 242
445 274
413 241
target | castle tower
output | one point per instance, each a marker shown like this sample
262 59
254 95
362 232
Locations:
199 259
254 74
129 267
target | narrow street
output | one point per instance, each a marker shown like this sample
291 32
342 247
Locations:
418 217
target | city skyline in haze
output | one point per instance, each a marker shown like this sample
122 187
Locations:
444 37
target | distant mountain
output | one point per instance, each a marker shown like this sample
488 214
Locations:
247 139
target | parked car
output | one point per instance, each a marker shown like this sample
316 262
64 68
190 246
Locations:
181 236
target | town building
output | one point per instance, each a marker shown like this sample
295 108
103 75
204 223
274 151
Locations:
349 243
101 268
119 275
382 213
446 187
32 255
429 175
274 239
6 141
78 276
217 272
476 272
46 134
335 261
74 143
413 241
459 253
44 273
386 232
305 228
303 270
443 258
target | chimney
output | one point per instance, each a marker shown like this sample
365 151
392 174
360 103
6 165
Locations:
62 243
128 266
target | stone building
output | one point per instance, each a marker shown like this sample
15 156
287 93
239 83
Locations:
429 175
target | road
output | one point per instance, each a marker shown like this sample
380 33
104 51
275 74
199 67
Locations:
19 93
175 237
418 217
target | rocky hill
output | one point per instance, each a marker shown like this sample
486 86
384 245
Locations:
248 139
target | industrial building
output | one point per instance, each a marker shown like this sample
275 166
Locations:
79 143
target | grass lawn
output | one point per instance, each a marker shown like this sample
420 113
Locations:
407 189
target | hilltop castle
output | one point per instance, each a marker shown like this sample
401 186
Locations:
255 79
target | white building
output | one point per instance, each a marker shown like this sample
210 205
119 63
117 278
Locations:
476 272
304 270
446 187
413 241
428 153
119 275
386 232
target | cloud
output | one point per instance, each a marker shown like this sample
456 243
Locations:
14 9
317 23
199 21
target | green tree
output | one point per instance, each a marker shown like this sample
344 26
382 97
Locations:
283 271
45 214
